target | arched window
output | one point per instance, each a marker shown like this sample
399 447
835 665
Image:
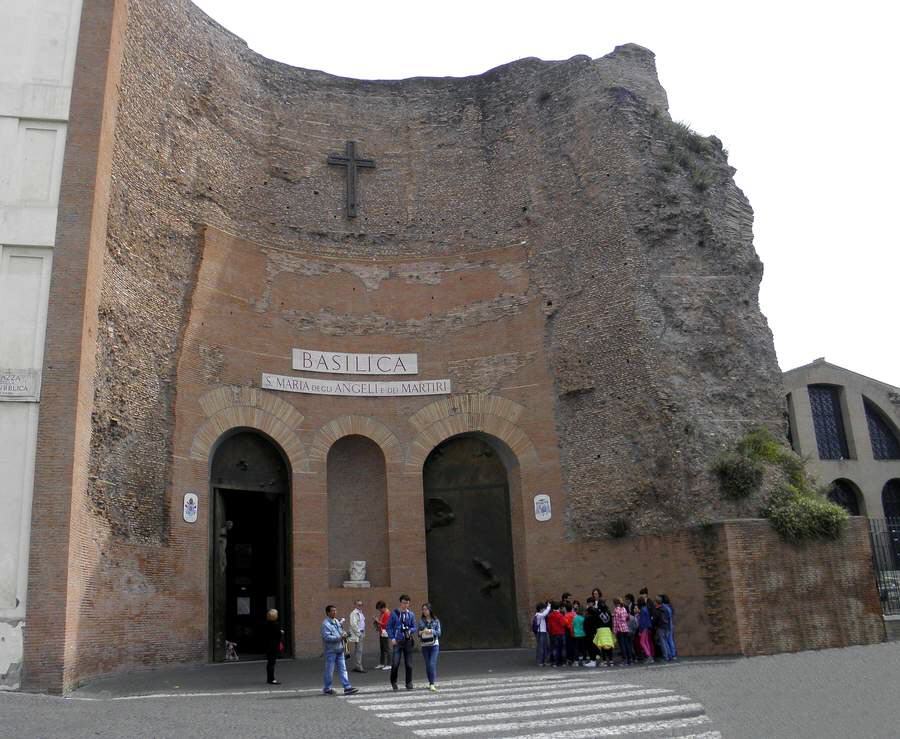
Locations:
884 440
828 421
846 495
890 499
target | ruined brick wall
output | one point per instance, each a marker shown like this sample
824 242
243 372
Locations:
589 240
639 249
815 596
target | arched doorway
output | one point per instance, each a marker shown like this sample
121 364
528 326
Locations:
846 495
250 569
471 580
890 499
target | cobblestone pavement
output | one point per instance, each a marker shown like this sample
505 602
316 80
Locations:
831 693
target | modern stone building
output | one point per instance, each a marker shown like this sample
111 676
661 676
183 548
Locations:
846 425
37 55
486 334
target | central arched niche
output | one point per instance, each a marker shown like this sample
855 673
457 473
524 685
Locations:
357 510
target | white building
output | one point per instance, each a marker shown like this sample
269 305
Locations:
37 59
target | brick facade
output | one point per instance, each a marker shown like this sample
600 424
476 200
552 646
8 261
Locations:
580 267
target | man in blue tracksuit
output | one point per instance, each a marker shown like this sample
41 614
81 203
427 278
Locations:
401 630
333 636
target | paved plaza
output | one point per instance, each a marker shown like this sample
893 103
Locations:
832 693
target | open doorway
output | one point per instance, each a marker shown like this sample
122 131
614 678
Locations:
250 568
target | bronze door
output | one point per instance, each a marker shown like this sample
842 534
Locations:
469 542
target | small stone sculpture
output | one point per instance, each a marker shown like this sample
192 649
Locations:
357 575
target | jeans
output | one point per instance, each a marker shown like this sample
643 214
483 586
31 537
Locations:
331 658
671 641
542 647
626 646
402 649
558 645
385 645
662 638
431 655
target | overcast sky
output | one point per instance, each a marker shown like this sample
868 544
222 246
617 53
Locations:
803 95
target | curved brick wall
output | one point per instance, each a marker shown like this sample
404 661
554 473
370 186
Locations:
638 247
579 266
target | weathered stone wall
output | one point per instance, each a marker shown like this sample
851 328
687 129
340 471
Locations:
579 266
639 249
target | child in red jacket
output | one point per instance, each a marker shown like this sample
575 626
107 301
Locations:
556 627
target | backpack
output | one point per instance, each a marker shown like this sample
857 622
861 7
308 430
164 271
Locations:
632 624
536 624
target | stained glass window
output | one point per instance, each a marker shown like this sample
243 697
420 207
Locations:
828 422
884 440
844 494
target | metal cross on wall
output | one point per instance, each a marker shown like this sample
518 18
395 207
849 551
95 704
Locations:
349 160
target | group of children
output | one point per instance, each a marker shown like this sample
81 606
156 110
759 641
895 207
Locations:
567 633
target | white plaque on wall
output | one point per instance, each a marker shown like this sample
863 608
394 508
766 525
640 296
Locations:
355 388
20 384
542 509
191 507
342 363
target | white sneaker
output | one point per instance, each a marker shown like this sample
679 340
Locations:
590 664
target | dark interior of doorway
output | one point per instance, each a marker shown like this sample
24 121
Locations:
250 570
254 566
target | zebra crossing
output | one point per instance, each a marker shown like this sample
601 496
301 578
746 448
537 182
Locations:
541 707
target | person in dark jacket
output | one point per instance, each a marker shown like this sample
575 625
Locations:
591 624
274 637
401 629
662 623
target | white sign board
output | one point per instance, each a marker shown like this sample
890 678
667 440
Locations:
341 363
355 388
191 507
20 384
542 510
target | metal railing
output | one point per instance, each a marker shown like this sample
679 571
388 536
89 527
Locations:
885 533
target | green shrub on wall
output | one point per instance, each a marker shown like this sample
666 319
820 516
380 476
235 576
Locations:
803 516
796 510
739 476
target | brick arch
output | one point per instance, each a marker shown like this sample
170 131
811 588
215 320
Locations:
460 414
343 426
246 407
